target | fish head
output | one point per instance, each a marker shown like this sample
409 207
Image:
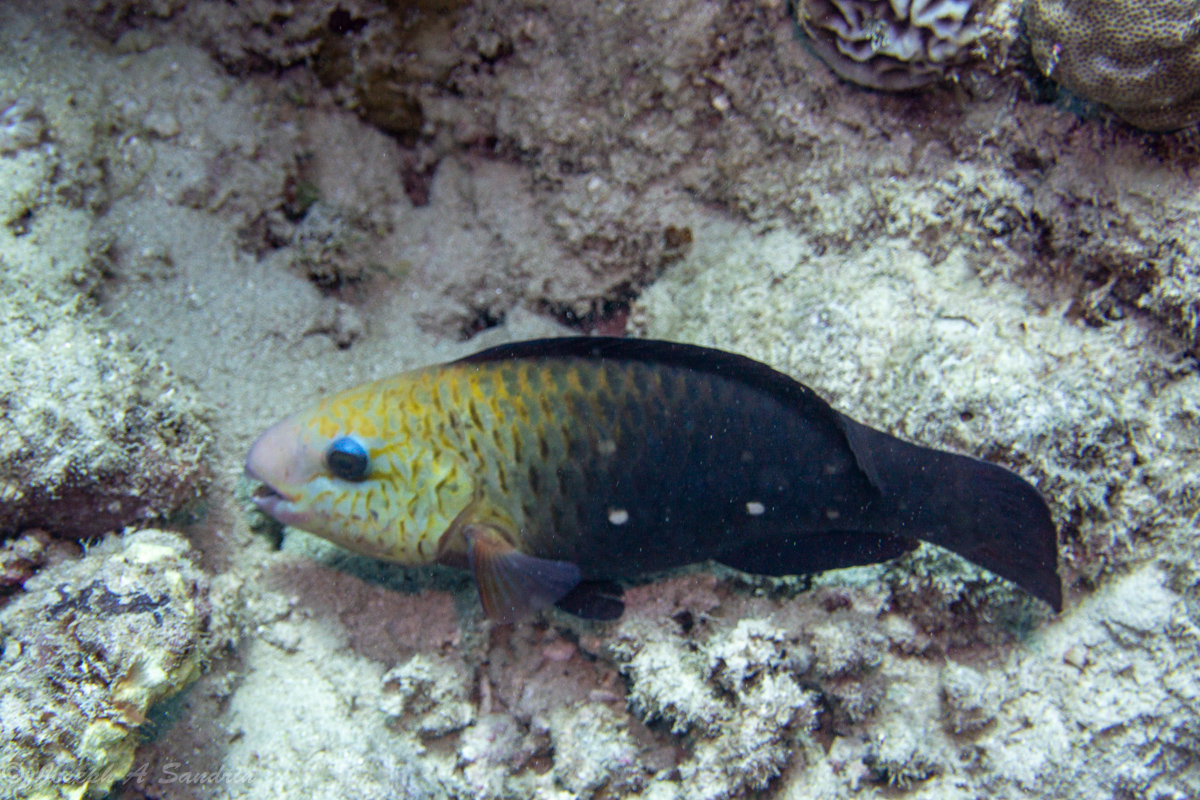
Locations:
324 470
348 471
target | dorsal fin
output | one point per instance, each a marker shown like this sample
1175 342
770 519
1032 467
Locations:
731 366
654 351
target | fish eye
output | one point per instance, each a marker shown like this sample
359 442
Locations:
347 459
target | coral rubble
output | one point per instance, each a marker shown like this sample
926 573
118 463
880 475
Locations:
969 267
739 693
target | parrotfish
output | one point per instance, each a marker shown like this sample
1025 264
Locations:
554 468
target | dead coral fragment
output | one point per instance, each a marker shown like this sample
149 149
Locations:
88 649
93 436
890 44
738 691
969 701
684 699
1141 58
22 126
433 690
592 749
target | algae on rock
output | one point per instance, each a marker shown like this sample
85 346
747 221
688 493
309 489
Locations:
88 648
95 435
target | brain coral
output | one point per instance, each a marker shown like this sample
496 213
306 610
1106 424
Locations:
1141 58
889 44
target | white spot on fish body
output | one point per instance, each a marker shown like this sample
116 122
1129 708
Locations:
607 447
832 513
755 508
618 516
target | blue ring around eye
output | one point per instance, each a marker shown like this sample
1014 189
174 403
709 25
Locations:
347 459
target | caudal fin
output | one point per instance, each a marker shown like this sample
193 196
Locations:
1003 524
983 512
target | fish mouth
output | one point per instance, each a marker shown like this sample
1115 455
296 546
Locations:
266 492
278 506
264 487
267 497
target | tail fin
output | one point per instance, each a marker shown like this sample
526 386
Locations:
982 512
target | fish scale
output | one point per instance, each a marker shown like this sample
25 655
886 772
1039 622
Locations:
641 418
642 406
553 467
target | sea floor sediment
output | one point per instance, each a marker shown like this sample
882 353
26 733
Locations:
213 213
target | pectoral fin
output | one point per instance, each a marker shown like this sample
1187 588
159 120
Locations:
511 584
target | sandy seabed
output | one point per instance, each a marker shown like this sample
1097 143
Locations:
215 212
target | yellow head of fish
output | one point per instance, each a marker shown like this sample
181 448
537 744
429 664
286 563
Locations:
350 470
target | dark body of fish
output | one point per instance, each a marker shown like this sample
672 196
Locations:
593 459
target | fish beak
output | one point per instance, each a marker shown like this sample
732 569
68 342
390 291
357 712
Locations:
277 459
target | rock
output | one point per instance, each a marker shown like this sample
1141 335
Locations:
89 647
890 44
1141 58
